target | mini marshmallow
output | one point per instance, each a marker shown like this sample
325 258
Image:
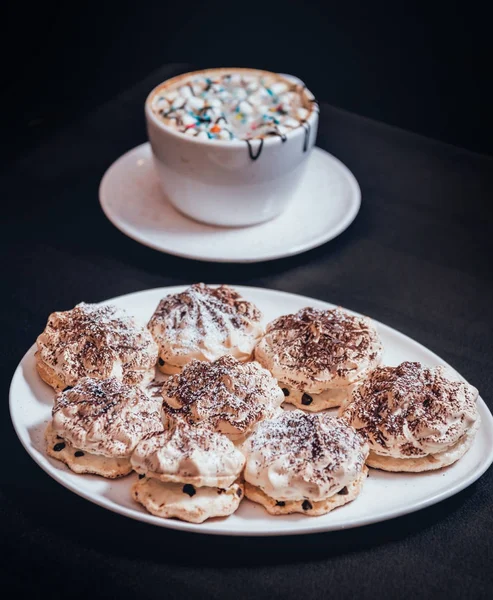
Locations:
302 113
185 91
279 88
160 103
252 87
290 122
257 98
194 103
245 108
224 134
171 96
188 120
178 102
240 93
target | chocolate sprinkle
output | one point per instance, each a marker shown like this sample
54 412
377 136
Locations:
189 489
306 399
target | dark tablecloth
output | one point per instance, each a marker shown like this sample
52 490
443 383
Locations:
418 257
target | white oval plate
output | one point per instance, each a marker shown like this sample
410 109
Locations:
384 496
328 200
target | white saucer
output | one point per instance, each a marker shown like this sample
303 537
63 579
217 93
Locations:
327 203
384 496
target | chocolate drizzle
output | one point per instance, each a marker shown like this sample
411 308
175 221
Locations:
251 150
277 133
307 127
315 105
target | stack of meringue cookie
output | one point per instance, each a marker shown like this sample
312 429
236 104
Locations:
242 411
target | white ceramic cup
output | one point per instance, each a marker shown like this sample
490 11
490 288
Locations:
228 183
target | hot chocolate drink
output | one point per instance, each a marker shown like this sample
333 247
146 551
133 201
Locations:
233 104
207 130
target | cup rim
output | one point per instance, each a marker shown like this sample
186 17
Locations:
267 141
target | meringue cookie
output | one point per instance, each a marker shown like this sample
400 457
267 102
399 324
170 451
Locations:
309 508
316 355
81 462
415 418
97 341
303 459
204 323
175 500
193 455
189 473
102 418
228 396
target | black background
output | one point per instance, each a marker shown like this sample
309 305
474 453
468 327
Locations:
418 258
423 66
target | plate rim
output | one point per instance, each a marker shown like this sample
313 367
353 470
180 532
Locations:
317 241
300 528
